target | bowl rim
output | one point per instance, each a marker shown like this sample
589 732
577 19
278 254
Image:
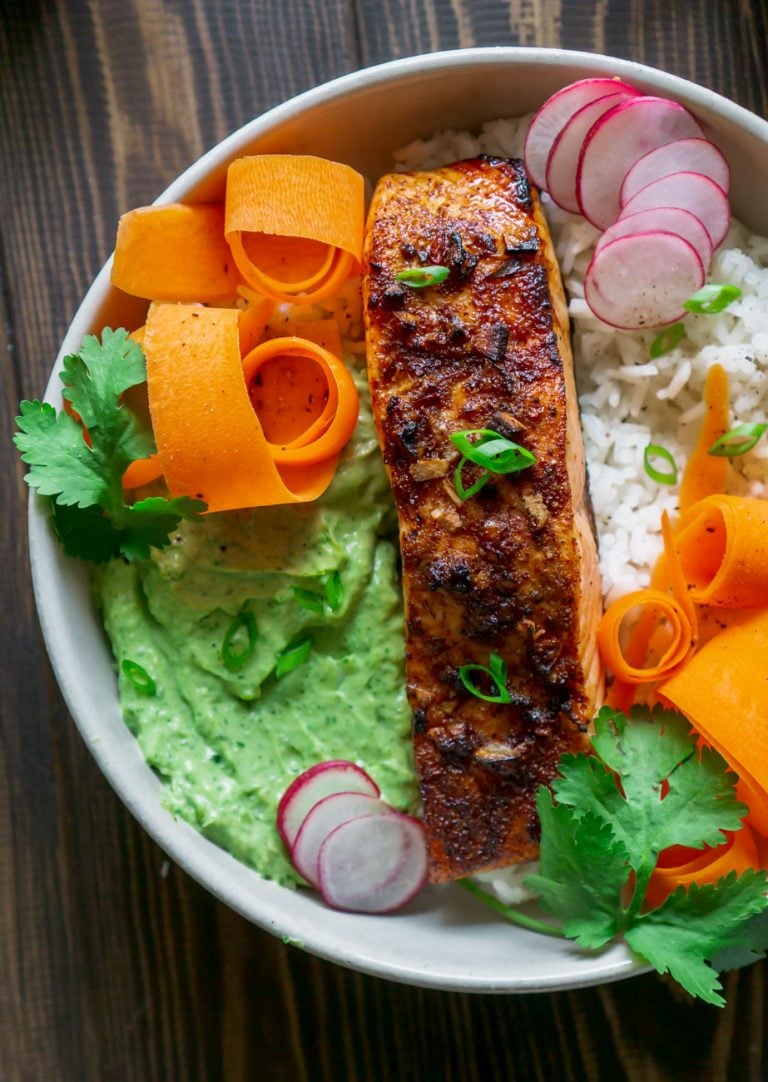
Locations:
174 836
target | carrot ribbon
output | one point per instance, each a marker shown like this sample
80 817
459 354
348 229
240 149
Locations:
175 253
294 224
211 442
722 543
679 866
723 691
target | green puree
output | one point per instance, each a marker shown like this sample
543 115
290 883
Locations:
227 743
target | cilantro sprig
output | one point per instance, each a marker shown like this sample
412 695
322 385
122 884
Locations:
84 483
645 787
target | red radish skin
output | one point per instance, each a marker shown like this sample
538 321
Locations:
616 141
555 113
325 816
642 280
682 156
563 160
692 192
321 780
668 220
373 864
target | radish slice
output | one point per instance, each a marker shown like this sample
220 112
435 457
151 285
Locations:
321 780
682 156
642 280
667 220
557 111
616 141
373 864
563 160
325 816
689 191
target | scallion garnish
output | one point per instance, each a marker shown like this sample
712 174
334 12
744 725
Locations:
493 452
239 640
667 340
334 590
653 450
738 440
308 599
331 597
496 671
139 677
295 654
419 277
712 299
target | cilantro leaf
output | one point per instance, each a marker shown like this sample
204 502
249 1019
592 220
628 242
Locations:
84 480
583 872
672 794
62 464
752 945
150 521
689 929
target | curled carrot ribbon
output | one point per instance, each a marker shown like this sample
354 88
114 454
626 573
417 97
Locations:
175 252
722 543
680 867
211 440
294 224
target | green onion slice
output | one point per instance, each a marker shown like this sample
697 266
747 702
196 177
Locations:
331 598
295 654
419 277
653 450
493 452
738 440
712 299
496 671
239 640
308 599
667 340
334 590
139 677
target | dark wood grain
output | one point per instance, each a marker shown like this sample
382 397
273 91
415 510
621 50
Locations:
113 964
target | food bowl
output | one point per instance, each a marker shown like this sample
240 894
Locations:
446 939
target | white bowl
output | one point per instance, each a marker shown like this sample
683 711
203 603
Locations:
446 939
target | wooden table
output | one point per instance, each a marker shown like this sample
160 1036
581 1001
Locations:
114 966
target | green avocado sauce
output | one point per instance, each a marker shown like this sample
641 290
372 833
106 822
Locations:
227 741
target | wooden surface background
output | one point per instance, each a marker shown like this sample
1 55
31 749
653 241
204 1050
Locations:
109 969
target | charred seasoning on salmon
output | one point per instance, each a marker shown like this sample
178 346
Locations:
513 569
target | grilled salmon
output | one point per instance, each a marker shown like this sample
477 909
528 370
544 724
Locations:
511 571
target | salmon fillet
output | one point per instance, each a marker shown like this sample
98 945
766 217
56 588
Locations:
512 570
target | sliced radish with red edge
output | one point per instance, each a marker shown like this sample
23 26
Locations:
682 156
373 864
666 220
643 280
616 141
557 111
321 819
688 191
563 160
321 780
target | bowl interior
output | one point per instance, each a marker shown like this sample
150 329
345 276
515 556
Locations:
445 939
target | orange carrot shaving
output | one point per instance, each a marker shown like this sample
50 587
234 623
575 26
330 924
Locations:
722 542
294 224
301 382
723 691
705 474
680 867
323 332
174 253
253 323
210 441
660 606
665 625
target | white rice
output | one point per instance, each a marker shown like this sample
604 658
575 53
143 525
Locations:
628 401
